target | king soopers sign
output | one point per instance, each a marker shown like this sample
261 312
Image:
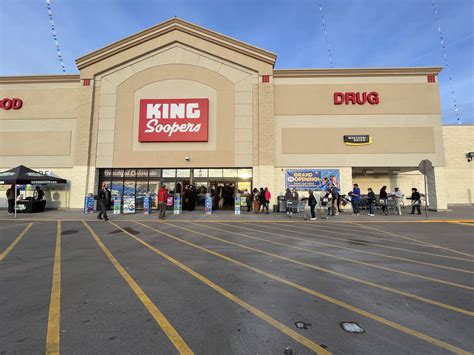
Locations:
173 120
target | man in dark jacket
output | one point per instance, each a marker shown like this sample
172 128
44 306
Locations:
312 204
11 199
415 201
103 199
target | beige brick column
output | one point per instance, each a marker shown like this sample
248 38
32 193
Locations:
81 171
264 141
437 189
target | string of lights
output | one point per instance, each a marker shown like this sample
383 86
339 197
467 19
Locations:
55 36
446 63
326 35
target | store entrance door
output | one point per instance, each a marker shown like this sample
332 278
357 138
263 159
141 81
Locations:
223 193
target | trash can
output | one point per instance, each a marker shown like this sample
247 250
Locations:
281 204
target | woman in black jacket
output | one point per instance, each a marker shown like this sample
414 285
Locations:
383 196
415 201
371 201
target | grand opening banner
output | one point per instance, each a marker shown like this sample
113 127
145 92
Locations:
311 179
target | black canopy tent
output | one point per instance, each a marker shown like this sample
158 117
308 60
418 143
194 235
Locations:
22 175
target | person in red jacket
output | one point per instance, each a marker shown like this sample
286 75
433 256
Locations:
268 197
162 198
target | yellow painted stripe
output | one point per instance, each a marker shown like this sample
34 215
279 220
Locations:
15 242
54 319
337 229
315 267
273 322
361 251
427 243
329 299
370 244
350 260
169 330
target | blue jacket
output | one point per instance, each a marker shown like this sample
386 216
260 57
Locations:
355 194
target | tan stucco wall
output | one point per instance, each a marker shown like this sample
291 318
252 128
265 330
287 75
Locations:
459 173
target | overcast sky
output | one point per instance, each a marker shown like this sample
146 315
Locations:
361 33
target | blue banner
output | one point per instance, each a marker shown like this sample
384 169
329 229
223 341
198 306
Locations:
311 179
177 207
237 200
89 203
208 205
147 205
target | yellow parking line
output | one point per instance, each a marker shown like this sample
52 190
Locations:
359 251
265 317
464 224
169 330
315 267
319 295
347 259
371 243
54 318
15 242
427 243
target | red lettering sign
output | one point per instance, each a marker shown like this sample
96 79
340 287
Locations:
173 120
356 98
11 104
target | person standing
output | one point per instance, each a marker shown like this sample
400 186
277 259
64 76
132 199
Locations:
335 199
255 200
289 201
355 199
268 197
371 201
398 196
261 200
415 201
103 199
312 204
11 199
383 197
191 198
248 200
38 194
162 199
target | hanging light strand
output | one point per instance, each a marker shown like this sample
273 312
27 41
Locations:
326 35
55 36
446 63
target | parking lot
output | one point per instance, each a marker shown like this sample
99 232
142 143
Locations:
235 287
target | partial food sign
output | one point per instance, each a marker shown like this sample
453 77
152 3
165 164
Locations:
11 104
173 120
311 179
361 139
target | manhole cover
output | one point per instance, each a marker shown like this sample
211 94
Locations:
302 325
352 327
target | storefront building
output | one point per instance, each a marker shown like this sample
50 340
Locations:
179 104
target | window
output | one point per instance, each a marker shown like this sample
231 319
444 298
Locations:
230 173
245 173
200 173
169 173
183 173
215 172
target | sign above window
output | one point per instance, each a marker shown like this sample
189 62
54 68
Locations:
358 139
173 120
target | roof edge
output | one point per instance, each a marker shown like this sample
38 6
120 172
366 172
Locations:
167 26
298 73
25 79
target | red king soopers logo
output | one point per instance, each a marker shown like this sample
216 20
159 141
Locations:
173 120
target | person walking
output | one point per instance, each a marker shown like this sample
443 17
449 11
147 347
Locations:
415 201
256 199
261 200
398 196
312 205
162 198
103 199
267 198
355 199
383 197
371 201
11 199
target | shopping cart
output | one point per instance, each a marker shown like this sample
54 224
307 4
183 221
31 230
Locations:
297 207
324 203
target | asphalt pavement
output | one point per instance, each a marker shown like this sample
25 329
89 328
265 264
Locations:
224 286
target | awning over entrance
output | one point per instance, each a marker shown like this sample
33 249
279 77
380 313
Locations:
22 175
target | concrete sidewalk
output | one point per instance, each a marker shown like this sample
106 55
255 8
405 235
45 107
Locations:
456 213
